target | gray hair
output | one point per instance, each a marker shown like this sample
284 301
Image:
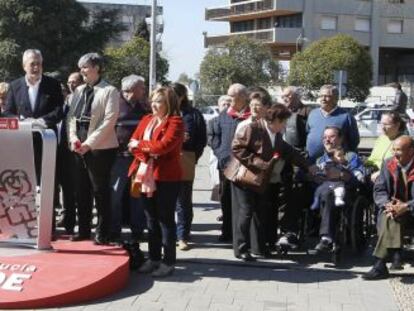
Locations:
93 59
292 89
239 89
223 98
30 52
333 89
129 82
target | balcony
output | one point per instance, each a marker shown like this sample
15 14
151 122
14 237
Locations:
274 36
253 9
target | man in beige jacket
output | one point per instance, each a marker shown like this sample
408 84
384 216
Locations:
93 115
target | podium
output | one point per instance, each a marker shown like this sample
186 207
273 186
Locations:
25 213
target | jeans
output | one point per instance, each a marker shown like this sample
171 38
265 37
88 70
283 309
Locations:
160 212
120 186
184 209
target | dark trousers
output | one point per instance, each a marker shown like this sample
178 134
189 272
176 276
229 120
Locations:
120 186
93 181
297 199
66 181
184 209
330 214
225 201
248 231
160 214
269 214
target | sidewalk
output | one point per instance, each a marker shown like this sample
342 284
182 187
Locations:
208 277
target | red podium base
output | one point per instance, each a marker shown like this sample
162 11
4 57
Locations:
72 273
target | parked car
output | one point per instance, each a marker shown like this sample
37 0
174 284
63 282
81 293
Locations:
209 112
369 126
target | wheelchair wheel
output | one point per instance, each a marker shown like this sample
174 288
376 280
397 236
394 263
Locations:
361 223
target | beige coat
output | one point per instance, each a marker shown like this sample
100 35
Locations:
104 114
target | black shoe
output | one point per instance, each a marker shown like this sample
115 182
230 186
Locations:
376 274
396 261
100 240
80 237
246 257
324 245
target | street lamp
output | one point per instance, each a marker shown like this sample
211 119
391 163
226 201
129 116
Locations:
153 46
300 40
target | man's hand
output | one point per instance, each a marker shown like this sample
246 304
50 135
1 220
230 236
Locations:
396 208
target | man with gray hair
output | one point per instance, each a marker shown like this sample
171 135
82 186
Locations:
35 97
132 107
329 114
224 130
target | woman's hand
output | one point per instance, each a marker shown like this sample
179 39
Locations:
133 144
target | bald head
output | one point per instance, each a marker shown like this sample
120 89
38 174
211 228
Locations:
403 149
74 80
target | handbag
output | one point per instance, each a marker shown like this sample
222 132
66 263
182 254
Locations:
135 190
244 177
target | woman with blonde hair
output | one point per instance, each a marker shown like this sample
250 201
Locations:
156 145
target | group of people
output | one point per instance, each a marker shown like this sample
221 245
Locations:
123 152
268 153
110 143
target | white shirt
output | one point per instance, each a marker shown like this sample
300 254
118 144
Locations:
33 90
326 113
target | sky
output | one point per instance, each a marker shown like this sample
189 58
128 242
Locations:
183 42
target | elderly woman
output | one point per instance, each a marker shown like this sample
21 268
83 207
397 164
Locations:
393 126
259 148
156 145
91 123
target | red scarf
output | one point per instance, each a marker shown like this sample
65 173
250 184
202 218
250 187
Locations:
241 115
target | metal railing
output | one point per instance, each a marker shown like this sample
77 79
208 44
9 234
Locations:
240 8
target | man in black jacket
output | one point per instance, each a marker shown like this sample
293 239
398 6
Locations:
35 97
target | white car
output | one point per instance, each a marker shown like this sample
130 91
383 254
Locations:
209 112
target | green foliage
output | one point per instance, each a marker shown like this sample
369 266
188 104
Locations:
59 28
315 66
133 57
243 60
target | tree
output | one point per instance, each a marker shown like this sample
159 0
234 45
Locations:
243 60
183 78
142 31
61 29
133 58
315 66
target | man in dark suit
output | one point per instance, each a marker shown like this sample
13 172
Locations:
35 97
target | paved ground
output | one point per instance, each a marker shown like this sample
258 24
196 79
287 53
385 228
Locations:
208 277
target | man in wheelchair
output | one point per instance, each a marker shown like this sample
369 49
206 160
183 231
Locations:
394 195
340 173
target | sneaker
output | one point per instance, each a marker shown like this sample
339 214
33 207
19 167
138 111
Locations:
325 244
162 271
149 266
183 245
289 240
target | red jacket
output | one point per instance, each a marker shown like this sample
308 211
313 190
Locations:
164 146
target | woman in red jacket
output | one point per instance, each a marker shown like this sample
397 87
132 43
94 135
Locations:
156 145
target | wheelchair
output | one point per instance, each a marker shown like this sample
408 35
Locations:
355 228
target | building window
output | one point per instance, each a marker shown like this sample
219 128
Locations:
289 21
264 23
362 24
329 22
242 26
396 1
395 26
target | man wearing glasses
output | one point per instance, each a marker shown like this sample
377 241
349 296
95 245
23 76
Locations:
329 114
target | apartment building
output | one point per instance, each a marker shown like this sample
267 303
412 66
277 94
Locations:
385 27
130 12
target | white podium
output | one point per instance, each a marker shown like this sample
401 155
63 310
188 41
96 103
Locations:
25 215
